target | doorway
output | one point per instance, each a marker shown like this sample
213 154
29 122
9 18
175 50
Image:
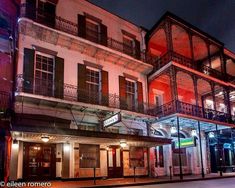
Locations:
39 161
115 162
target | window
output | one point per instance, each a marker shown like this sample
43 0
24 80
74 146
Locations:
130 94
93 85
128 45
92 30
136 157
44 74
46 12
89 156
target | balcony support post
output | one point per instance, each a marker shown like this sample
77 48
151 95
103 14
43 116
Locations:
208 53
227 102
213 94
173 83
180 161
223 63
168 33
191 47
195 89
200 143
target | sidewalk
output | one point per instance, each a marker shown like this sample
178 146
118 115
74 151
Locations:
119 182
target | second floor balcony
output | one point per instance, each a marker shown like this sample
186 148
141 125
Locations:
71 93
176 106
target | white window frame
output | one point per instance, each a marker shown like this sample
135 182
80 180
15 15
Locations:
53 73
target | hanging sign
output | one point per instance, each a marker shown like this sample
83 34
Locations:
116 118
186 142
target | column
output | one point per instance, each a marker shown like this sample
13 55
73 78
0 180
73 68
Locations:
200 143
213 94
227 102
180 161
168 33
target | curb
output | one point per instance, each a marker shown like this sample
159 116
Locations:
160 182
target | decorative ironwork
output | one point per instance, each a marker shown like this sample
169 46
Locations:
91 35
192 110
72 93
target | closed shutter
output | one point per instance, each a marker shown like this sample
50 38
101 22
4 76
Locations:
122 92
140 97
105 87
30 10
81 26
50 12
82 94
137 49
59 77
28 70
104 35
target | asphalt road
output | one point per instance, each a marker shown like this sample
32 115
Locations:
217 183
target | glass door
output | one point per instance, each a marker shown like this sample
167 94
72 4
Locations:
39 161
115 162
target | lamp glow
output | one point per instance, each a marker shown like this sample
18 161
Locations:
211 135
173 130
15 144
66 147
45 139
123 144
194 132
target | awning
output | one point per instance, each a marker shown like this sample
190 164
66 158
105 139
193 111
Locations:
61 135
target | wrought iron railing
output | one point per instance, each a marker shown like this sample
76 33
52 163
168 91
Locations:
56 22
159 62
192 110
73 93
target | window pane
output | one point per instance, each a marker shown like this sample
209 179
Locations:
89 156
136 157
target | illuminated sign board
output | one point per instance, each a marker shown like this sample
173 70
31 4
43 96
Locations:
186 142
112 120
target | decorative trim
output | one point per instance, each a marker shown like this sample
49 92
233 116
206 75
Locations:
93 18
44 50
130 76
93 65
128 34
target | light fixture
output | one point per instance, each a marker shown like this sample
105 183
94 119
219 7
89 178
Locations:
15 144
45 139
211 135
66 147
123 143
107 148
173 130
194 132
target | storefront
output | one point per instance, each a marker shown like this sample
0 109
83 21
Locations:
78 154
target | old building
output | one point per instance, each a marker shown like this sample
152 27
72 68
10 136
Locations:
8 14
96 93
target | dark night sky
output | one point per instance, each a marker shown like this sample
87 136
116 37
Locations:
216 17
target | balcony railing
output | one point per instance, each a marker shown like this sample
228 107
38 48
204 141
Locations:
159 62
73 93
192 110
56 22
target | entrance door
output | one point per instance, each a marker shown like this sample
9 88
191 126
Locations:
39 161
115 162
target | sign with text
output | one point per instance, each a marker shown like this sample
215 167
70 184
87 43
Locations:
186 142
112 120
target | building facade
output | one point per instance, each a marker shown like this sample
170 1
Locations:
96 94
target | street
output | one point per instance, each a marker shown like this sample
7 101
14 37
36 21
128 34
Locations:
218 183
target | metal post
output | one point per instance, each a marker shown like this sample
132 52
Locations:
94 176
200 143
134 174
170 168
178 128
218 151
